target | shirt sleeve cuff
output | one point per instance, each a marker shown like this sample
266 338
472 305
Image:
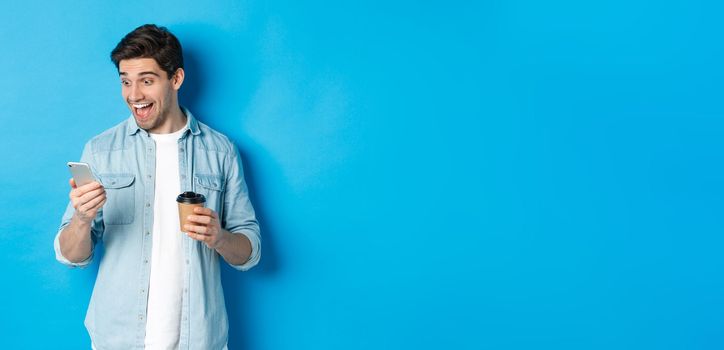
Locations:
255 251
59 256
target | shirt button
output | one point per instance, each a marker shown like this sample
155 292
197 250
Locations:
142 291
145 261
149 176
187 261
140 317
148 205
148 233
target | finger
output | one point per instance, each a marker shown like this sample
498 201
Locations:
205 211
201 219
197 236
80 191
82 202
196 229
91 195
75 197
72 184
93 203
91 186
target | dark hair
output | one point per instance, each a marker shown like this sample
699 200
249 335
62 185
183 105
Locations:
151 41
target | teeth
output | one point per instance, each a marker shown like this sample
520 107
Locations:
144 105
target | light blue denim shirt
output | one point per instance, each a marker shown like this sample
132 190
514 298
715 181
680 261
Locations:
123 159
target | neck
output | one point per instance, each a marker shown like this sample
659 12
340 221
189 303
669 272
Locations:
175 121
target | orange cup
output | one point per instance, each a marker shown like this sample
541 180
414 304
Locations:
187 201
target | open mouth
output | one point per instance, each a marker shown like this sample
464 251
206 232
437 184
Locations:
142 110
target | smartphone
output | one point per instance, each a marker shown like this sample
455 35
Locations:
81 173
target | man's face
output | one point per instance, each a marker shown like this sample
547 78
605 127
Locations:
148 91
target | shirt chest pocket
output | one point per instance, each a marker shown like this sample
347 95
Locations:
212 187
120 204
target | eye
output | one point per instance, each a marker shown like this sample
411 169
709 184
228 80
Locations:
125 83
148 82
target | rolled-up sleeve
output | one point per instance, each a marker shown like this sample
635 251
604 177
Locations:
238 214
62 259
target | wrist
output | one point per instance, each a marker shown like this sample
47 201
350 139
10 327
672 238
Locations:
80 222
225 237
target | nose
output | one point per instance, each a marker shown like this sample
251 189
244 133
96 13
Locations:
135 94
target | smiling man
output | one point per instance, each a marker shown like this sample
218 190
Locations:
158 284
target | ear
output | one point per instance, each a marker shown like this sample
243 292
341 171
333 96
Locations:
177 79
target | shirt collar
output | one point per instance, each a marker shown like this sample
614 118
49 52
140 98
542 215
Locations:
191 123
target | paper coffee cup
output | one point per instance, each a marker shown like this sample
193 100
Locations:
187 201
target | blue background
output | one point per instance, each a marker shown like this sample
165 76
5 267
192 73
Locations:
459 175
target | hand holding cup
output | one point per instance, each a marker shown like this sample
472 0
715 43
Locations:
204 226
199 223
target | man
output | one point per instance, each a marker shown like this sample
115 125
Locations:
158 287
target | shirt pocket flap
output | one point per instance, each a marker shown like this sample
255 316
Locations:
212 182
116 180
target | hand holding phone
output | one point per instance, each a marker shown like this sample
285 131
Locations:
86 200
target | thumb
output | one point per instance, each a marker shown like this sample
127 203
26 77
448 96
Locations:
72 184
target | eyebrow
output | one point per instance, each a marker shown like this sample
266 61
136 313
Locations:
140 74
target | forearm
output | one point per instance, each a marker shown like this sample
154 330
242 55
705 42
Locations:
75 240
235 248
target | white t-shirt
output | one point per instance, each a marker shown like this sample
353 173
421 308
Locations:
165 292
